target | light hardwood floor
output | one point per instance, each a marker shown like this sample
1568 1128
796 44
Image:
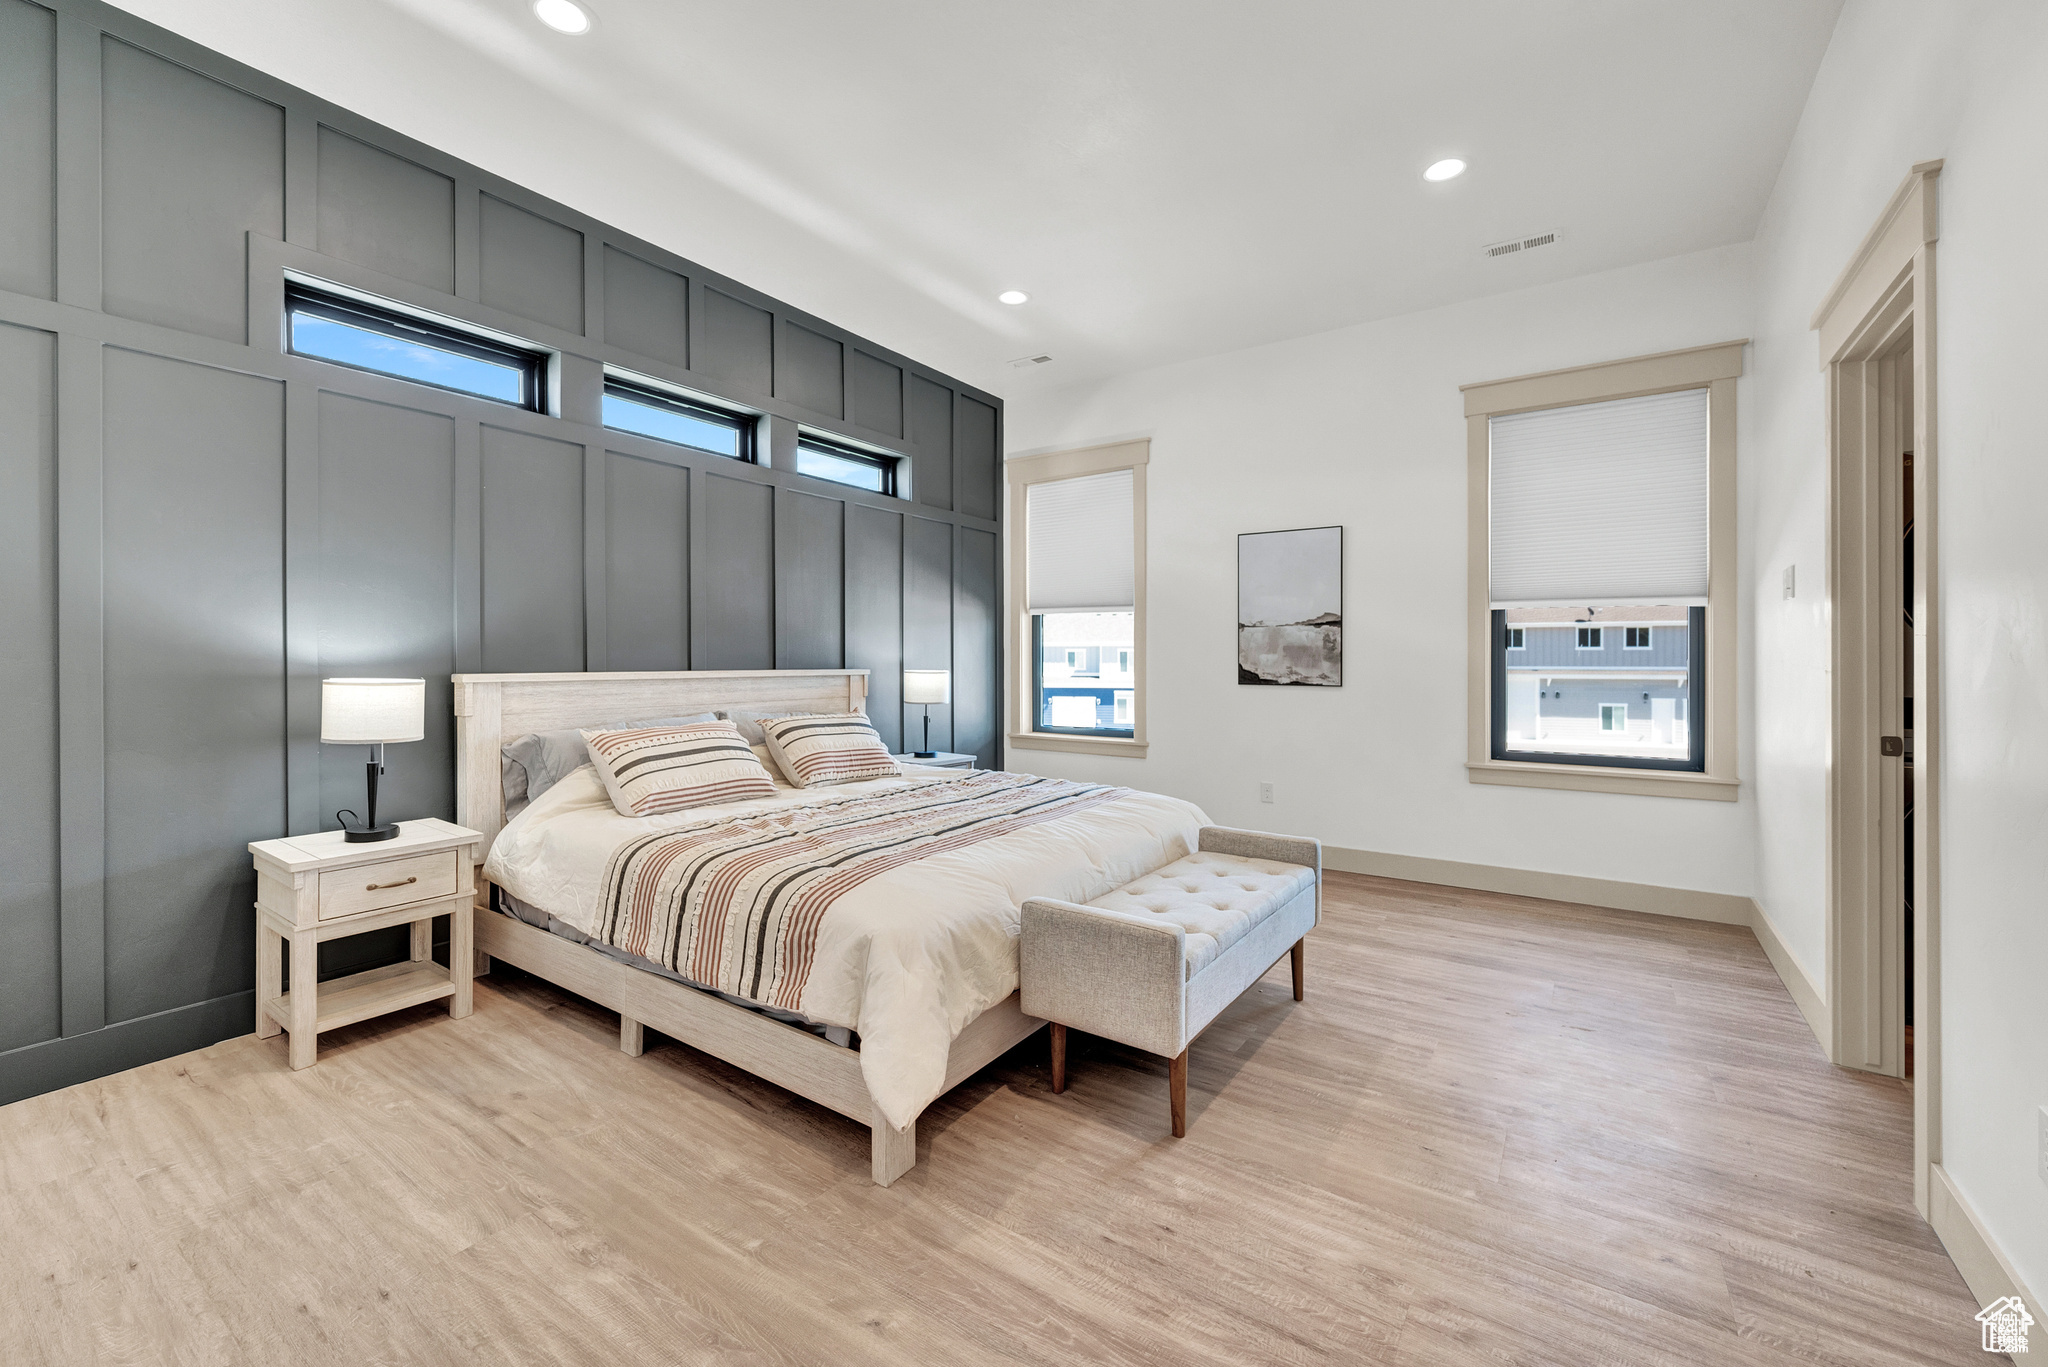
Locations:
1497 1131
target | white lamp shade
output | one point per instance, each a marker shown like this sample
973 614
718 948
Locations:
928 685
372 711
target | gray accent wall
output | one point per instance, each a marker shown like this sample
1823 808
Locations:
196 527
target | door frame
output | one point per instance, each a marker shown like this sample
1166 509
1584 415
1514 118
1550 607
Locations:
1877 339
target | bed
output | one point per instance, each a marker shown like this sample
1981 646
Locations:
912 956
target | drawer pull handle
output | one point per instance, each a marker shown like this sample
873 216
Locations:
374 886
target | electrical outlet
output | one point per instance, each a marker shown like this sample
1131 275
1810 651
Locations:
2041 1141
1265 792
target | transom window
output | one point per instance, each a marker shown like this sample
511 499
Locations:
846 465
345 331
667 417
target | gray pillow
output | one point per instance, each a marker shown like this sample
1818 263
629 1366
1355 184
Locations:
749 719
537 761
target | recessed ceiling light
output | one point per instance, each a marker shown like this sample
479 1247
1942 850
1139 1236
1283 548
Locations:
563 16
1448 169
1013 296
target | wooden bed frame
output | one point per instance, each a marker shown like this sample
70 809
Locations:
491 709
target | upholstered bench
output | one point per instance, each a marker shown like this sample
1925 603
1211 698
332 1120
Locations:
1152 963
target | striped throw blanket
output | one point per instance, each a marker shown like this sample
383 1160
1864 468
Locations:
736 905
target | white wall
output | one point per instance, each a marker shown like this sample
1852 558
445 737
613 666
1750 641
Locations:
1902 83
1365 427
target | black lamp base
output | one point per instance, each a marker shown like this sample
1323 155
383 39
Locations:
363 835
924 754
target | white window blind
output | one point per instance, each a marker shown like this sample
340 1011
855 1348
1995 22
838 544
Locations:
1601 503
1078 545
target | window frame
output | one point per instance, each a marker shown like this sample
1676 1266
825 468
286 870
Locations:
890 466
1019 474
1038 692
1597 636
1713 708
1649 637
747 425
1517 639
395 321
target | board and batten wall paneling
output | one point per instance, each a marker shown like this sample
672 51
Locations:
739 343
647 550
28 681
533 554
382 211
928 619
732 576
195 726
646 308
191 166
977 608
874 612
978 460
810 581
196 527
531 266
28 150
928 417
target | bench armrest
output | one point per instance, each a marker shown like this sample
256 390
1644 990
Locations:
1281 849
1109 973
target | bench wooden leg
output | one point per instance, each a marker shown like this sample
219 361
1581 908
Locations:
1300 953
1177 1086
1059 1058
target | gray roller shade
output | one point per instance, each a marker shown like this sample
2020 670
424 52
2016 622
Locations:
1601 503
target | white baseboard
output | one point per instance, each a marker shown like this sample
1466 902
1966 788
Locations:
1806 993
1727 908
1987 1272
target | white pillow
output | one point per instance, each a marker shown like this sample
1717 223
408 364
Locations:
657 769
822 749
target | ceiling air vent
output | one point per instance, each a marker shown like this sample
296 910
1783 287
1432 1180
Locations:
1515 246
1026 362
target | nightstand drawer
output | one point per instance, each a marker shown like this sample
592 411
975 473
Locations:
377 887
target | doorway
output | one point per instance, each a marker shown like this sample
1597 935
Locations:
1883 776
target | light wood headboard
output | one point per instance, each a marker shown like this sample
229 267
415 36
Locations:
491 709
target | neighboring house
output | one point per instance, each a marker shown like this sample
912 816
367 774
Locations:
1087 674
1599 679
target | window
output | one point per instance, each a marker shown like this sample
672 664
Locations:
844 465
1602 498
666 417
1077 539
344 331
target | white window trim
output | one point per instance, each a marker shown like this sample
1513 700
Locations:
1020 473
1714 368
1599 638
1517 640
1649 638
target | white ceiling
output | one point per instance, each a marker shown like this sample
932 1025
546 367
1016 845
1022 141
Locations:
1166 178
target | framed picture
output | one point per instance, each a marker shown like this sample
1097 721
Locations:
1290 607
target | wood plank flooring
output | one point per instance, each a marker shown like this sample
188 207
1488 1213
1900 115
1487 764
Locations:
1497 1131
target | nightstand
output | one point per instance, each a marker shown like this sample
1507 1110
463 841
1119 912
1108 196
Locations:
311 888
943 760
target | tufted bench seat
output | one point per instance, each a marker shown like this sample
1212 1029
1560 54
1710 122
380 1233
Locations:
1153 962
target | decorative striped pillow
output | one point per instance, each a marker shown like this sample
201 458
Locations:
655 769
820 750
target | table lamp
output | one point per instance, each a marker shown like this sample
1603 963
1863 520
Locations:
376 713
927 686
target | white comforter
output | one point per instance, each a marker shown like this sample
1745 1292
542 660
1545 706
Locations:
909 957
